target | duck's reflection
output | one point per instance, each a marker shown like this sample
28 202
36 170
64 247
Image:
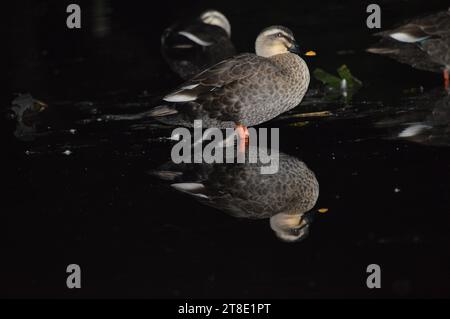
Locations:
428 123
286 197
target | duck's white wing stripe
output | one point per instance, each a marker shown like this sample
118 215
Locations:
189 87
185 94
406 37
195 39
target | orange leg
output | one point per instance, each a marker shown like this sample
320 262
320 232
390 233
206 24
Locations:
446 79
242 132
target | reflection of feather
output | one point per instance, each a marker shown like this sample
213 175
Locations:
414 130
428 123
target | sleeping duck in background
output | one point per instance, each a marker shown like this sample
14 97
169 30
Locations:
286 197
244 90
193 46
423 43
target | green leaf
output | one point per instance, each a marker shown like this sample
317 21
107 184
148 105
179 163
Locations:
327 78
344 73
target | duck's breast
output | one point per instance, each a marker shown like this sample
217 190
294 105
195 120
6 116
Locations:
270 94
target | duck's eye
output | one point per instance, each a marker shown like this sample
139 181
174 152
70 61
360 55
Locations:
279 34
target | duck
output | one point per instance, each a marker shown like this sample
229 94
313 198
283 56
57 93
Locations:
286 198
193 46
423 43
242 91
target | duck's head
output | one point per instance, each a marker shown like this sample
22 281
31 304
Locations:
291 228
275 40
214 17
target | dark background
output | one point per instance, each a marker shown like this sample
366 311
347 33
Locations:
48 58
134 238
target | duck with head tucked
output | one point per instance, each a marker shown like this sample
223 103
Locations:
423 43
242 91
192 46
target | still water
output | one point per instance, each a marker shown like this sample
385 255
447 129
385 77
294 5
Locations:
82 184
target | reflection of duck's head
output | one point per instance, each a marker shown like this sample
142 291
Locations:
291 228
275 40
242 191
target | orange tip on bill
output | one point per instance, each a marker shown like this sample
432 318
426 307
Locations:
323 210
311 53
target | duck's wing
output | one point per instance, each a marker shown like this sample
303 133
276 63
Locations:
405 53
219 76
416 30
436 25
438 49
218 90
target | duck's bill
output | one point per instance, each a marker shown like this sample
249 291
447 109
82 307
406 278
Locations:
295 48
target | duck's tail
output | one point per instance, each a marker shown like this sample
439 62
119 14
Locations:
159 111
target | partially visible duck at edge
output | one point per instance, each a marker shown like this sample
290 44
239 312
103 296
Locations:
423 43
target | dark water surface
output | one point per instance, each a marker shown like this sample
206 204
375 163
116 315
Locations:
77 188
